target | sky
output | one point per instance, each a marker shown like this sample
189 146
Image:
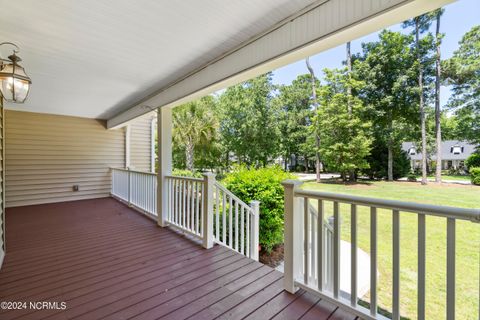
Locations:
458 18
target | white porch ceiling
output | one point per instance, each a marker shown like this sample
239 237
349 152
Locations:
115 59
94 58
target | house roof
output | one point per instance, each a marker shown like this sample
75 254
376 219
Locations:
447 153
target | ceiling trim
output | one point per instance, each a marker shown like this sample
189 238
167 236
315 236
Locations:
323 25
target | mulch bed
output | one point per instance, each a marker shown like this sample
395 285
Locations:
273 258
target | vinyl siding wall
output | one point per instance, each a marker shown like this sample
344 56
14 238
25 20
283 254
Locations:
2 183
141 142
47 154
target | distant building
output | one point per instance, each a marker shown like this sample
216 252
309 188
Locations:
454 154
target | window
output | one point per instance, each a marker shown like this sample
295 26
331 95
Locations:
456 150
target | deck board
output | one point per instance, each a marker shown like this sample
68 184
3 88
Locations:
107 261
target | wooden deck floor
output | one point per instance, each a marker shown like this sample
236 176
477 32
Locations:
106 261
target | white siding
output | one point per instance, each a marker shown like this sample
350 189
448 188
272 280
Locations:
47 154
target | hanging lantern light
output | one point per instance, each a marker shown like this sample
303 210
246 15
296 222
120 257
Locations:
14 82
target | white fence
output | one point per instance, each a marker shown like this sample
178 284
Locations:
194 205
185 204
305 251
236 223
138 189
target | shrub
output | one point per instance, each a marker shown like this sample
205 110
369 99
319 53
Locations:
473 161
412 177
186 173
378 161
475 175
264 185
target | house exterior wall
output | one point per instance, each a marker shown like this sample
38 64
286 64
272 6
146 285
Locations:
2 182
46 155
141 142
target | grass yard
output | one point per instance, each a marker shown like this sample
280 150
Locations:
447 178
467 245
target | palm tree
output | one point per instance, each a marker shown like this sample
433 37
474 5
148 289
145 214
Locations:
194 124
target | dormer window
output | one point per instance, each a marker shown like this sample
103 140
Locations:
456 150
412 151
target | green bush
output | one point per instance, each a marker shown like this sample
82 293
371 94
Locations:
473 161
264 185
475 175
378 162
186 173
412 177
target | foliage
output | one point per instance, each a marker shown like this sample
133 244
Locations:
186 173
264 185
473 161
462 71
249 121
412 177
475 175
378 162
388 67
194 129
345 137
294 103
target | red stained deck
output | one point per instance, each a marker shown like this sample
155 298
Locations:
107 261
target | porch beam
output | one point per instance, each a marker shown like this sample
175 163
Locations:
164 156
322 25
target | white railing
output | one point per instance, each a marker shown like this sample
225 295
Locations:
327 243
185 204
236 224
137 188
303 246
193 205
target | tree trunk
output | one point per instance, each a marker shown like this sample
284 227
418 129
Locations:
317 137
390 150
390 162
438 129
285 163
351 173
189 149
422 107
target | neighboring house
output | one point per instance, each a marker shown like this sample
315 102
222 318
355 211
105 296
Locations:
454 154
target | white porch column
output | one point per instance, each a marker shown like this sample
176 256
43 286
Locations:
293 235
164 127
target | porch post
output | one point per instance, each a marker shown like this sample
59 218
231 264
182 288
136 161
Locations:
292 235
164 156
208 185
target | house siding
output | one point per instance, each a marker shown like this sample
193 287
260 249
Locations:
47 154
2 182
141 142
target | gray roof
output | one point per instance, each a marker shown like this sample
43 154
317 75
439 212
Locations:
447 153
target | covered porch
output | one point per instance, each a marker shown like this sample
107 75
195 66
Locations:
105 260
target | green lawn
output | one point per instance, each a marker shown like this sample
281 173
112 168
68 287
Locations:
467 248
447 177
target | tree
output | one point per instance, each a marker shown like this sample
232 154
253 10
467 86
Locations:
194 127
421 24
462 71
438 112
388 69
293 103
249 121
345 136
313 81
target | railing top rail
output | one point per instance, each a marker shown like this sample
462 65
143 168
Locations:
134 171
233 196
184 178
441 211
